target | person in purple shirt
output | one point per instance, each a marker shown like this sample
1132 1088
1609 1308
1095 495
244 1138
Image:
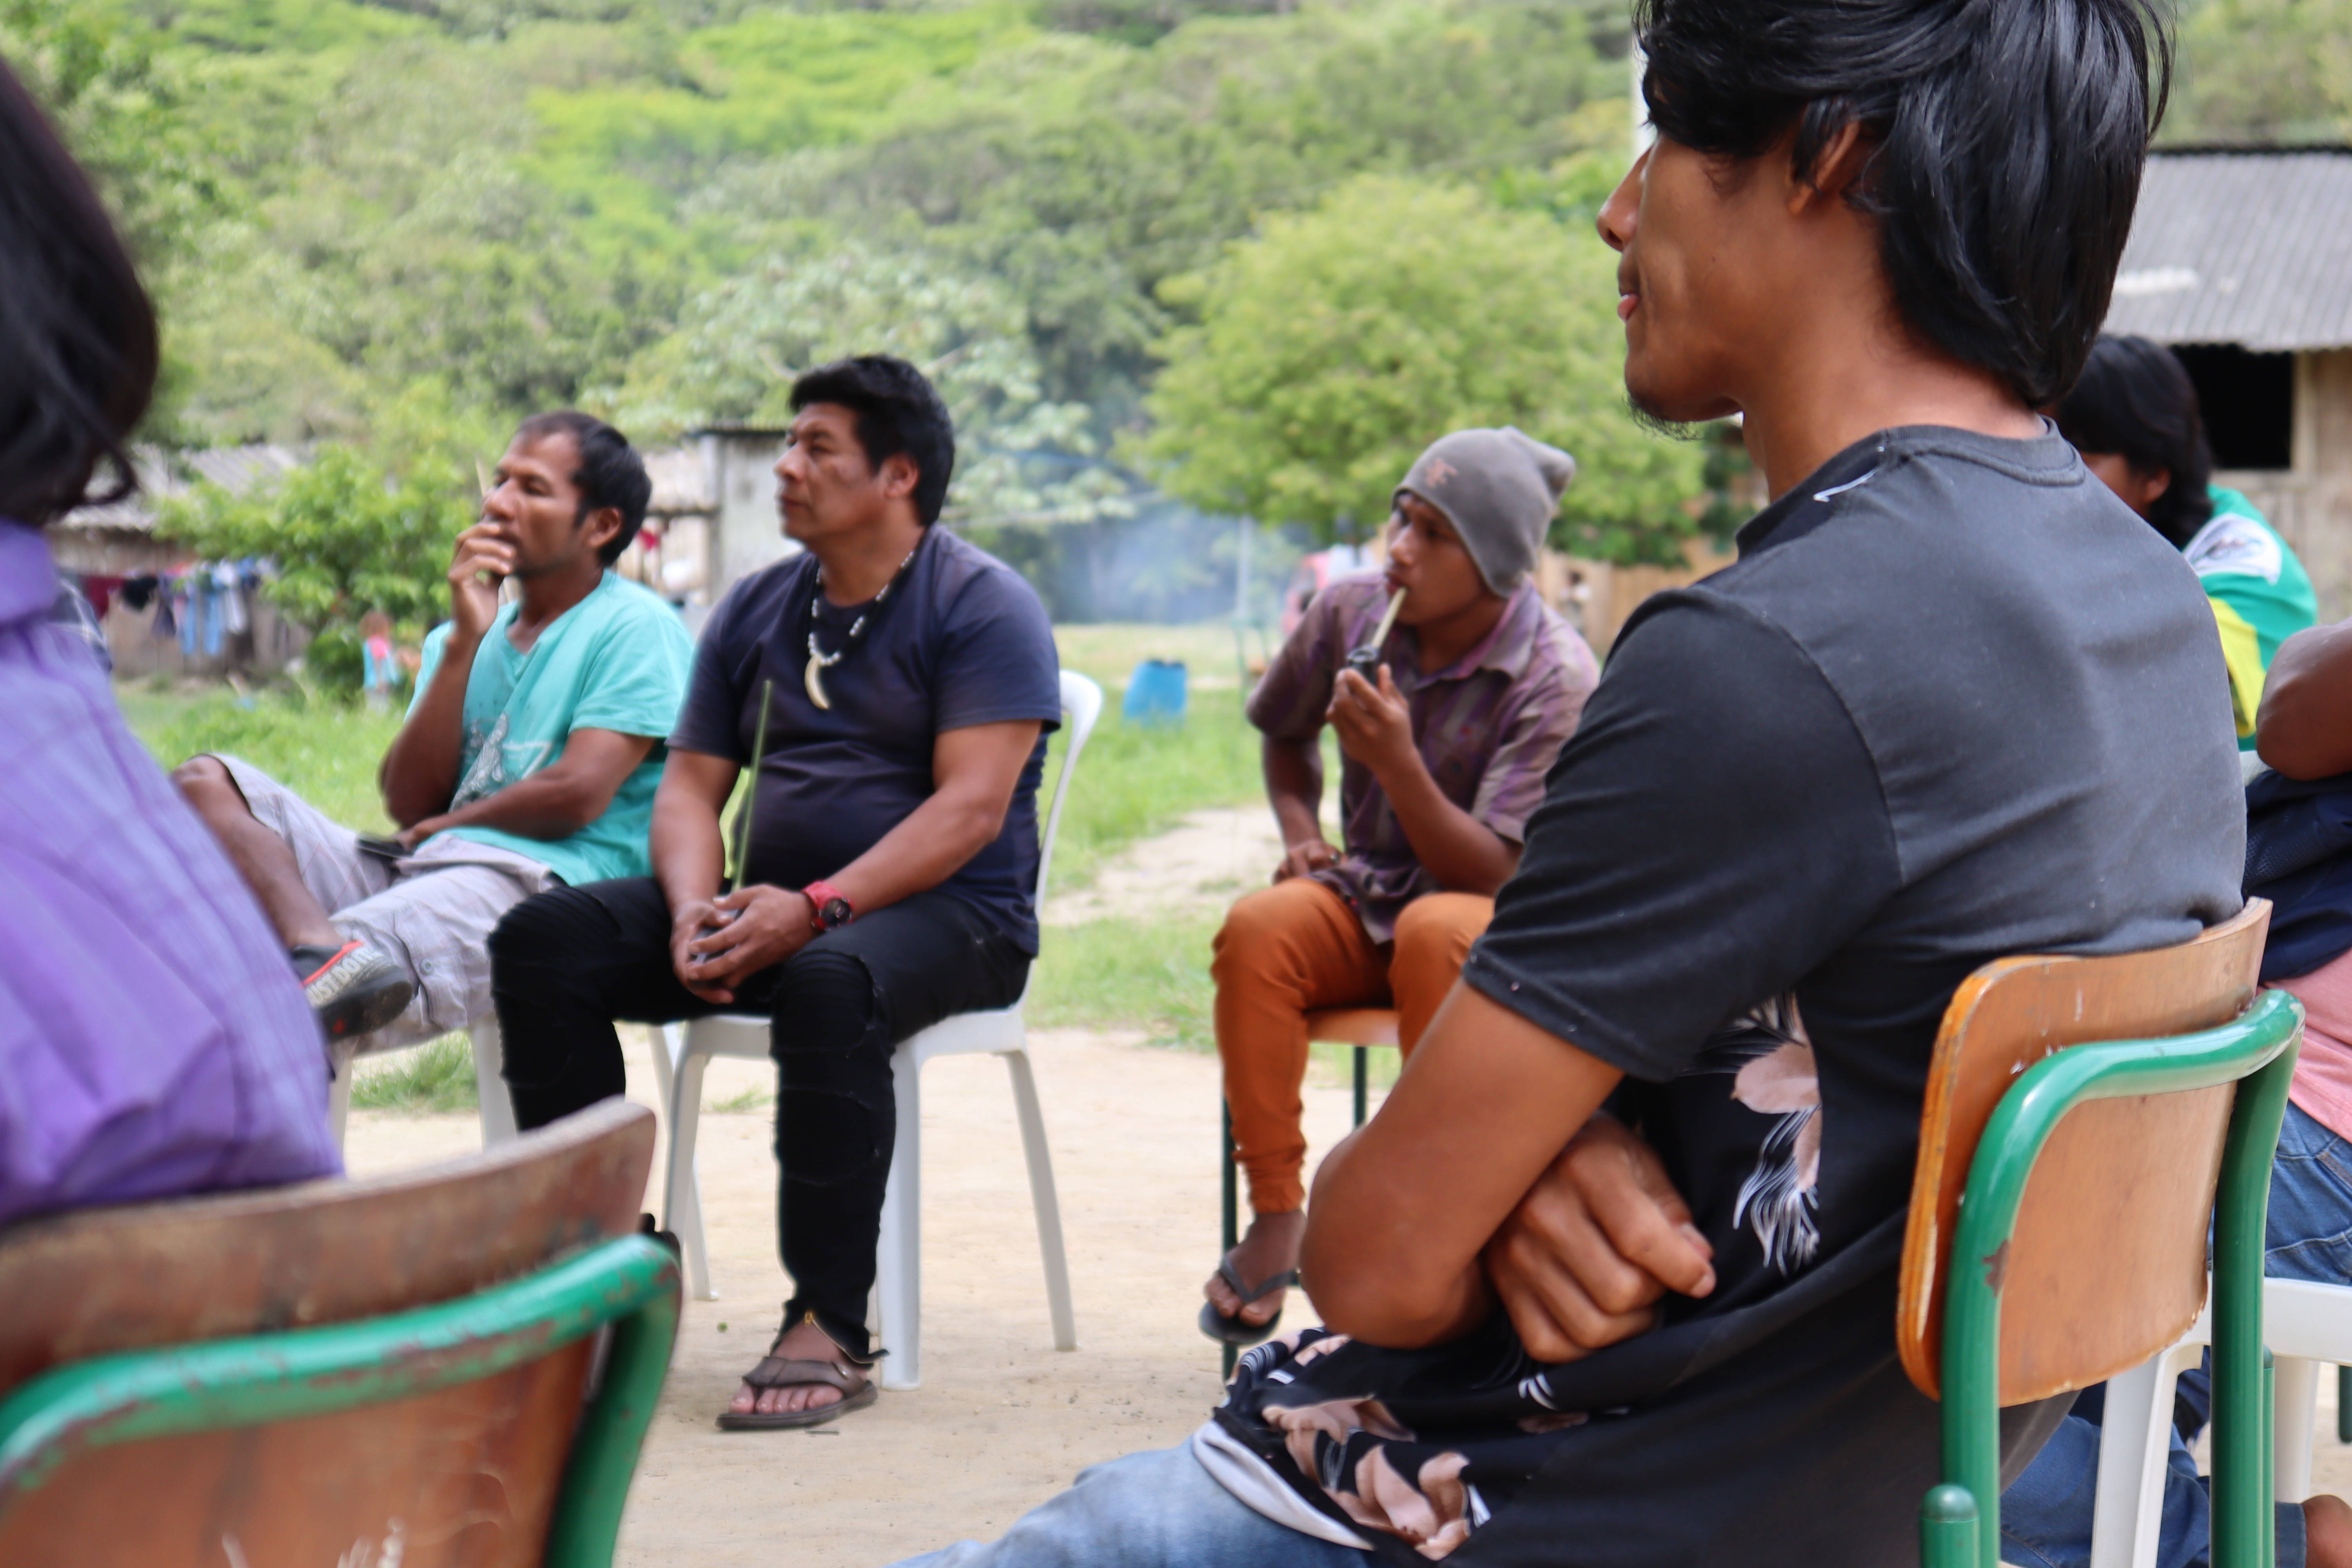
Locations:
152 1040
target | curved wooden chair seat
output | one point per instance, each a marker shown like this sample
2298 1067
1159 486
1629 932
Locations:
2081 1115
444 1401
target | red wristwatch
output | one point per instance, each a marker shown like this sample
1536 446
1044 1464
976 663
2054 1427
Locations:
830 909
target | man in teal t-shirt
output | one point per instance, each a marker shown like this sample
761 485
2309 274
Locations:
616 661
529 757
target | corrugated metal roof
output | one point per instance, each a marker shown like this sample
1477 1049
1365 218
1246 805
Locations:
238 468
164 475
2250 248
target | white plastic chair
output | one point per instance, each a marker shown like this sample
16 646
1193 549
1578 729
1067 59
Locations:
490 1090
897 1287
2306 1325
490 1083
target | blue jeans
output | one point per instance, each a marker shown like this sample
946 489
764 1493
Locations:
2046 1515
1158 1509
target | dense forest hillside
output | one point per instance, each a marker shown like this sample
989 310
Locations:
371 215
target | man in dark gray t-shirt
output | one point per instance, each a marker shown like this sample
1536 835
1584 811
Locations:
889 690
1609 1280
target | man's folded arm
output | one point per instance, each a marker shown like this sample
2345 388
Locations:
1402 1208
419 770
1463 853
1676 874
2306 729
1293 766
974 773
688 850
561 798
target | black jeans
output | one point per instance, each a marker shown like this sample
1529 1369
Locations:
567 964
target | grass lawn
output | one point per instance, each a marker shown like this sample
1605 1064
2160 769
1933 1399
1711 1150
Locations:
1133 783
325 752
1208 650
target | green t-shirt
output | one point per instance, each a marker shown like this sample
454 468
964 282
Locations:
2242 561
616 661
2253 578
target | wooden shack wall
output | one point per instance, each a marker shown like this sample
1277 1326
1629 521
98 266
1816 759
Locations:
2311 503
1606 596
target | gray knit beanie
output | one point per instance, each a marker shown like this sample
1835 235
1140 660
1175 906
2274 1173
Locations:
1500 490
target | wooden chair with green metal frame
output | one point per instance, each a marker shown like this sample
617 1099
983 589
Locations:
397 1370
2084 1117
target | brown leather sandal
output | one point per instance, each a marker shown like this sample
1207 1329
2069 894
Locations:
848 1376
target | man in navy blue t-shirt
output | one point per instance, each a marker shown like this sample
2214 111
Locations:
906 681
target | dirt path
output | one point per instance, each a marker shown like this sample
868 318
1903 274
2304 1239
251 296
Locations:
1199 865
1002 1421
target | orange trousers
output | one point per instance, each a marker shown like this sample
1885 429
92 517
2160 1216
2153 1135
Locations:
1284 952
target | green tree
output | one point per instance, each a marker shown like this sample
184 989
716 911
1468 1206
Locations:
2265 70
1338 343
346 538
740 343
121 111
1083 173
355 529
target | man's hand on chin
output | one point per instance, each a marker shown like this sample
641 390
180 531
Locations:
1603 1235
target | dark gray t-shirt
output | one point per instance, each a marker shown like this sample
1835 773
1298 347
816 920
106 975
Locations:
1952 703
961 640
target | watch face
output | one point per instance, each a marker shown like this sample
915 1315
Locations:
834 913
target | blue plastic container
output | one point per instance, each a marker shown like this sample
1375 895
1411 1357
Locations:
1155 693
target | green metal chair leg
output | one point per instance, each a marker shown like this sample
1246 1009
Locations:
587 1524
2014 1140
2270 1452
1947 1528
2244 1526
1360 1084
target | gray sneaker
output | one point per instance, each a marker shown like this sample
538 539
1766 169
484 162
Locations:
354 989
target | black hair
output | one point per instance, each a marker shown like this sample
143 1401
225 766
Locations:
610 473
2004 143
77 349
2135 399
899 412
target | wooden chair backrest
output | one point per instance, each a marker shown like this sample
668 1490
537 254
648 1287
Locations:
2107 1262
466 1475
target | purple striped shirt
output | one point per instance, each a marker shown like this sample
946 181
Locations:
1487 726
152 1038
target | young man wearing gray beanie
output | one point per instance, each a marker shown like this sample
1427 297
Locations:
1444 749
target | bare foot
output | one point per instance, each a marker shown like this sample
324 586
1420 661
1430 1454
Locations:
1270 1247
802 1342
2328 1532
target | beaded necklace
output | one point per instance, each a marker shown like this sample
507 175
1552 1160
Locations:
819 661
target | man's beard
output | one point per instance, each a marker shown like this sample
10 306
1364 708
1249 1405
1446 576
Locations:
1657 423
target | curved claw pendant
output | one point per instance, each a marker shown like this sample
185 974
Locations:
813 677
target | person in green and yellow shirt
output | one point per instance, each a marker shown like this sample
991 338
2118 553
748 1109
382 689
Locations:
2134 418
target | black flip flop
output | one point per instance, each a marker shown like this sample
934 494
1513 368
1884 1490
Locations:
1232 1330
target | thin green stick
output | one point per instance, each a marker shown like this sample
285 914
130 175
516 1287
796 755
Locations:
750 789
